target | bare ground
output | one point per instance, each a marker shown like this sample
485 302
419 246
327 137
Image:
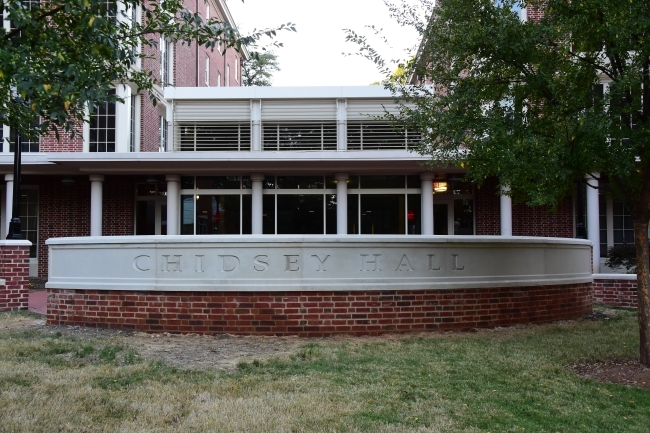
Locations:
226 351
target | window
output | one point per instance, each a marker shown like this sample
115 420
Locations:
165 64
623 224
207 11
237 70
218 79
373 135
29 218
227 136
102 127
227 83
26 144
207 70
299 136
163 134
132 125
215 205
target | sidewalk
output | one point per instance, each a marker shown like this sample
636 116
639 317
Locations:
38 302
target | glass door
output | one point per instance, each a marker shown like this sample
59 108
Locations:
151 216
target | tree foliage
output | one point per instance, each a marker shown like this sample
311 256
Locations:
61 57
259 69
515 99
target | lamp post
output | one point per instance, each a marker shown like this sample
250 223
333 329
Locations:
14 225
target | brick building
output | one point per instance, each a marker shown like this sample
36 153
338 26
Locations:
216 159
56 200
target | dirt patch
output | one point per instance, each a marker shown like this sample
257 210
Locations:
629 373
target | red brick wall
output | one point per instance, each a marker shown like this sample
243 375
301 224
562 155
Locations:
615 293
118 210
65 143
541 221
64 210
488 208
526 221
311 314
14 268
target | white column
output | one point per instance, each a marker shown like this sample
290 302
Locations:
426 194
173 203
9 202
257 208
256 125
341 203
593 219
96 191
506 211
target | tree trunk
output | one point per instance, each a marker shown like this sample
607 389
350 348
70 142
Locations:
643 285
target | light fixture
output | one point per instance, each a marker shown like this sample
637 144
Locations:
440 187
68 181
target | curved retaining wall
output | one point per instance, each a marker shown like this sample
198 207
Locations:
316 285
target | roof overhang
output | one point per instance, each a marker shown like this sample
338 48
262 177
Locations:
240 163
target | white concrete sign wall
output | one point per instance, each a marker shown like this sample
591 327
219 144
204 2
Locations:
285 263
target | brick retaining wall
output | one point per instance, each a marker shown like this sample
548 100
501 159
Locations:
14 269
317 314
615 290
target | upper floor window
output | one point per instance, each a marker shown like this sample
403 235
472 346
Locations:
164 126
237 70
102 127
218 79
26 144
227 83
207 70
165 64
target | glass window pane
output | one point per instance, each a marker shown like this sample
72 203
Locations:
217 214
414 214
389 181
353 182
187 213
268 216
300 214
300 182
217 182
145 190
269 182
145 217
353 214
440 219
247 215
330 182
413 181
187 182
330 214
463 217
382 214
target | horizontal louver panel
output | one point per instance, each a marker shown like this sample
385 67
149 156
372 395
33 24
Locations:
297 136
379 136
213 137
206 111
366 110
293 110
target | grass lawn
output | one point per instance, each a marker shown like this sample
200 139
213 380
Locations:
513 380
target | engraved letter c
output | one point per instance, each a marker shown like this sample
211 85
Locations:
137 266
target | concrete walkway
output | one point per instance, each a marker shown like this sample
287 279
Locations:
38 302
